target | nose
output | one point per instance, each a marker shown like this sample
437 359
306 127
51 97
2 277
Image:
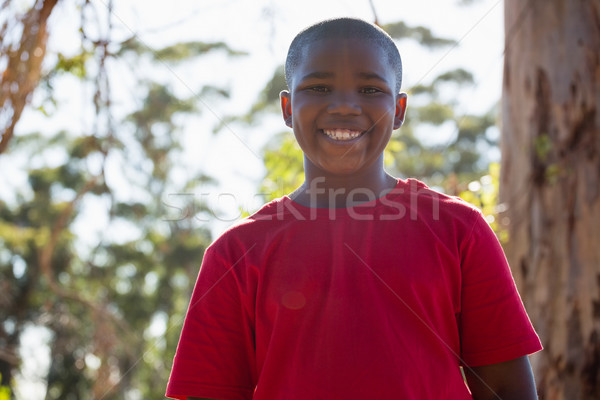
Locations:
344 104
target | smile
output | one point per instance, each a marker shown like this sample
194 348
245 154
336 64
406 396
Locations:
342 134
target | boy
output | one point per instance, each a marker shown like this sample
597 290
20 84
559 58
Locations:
357 285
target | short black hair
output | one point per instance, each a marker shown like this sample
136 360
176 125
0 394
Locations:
348 28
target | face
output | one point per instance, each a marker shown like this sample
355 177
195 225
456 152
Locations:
343 107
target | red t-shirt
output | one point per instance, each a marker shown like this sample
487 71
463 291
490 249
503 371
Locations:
384 300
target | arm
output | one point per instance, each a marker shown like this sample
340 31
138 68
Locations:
510 380
215 353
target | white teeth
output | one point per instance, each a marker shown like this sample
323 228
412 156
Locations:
342 134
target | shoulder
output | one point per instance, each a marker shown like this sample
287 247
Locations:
430 204
433 215
270 218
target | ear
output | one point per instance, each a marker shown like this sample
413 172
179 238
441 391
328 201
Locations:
400 110
286 106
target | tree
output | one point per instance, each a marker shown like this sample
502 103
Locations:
550 184
107 304
451 165
114 304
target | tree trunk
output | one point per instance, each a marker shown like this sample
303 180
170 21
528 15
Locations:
550 184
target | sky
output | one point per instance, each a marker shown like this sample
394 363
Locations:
264 29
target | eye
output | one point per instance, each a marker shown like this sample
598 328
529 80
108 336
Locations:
370 90
318 89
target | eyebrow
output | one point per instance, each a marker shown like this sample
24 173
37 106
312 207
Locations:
372 75
325 75
317 75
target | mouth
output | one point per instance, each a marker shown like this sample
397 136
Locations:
342 135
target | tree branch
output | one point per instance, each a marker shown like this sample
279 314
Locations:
375 19
45 260
24 67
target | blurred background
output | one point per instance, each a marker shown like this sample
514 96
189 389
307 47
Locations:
134 132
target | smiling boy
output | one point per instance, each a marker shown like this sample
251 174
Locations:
356 285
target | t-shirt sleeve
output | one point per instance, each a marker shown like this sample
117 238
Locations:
215 357
494 326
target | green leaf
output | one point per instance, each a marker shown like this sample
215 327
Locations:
459 76
75 65
185 50
177 52
399 30
435 113
283 162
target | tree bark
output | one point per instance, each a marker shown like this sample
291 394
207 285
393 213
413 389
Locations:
550 184
24 68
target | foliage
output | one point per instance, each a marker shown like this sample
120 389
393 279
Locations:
399 30
114 296
4 391
450 165
177 52
100 302
483 193
283 162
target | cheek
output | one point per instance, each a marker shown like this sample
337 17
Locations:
388 114
304 116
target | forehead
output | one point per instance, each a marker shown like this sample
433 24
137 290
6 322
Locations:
337 56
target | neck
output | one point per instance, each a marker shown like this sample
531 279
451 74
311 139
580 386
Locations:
322 190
